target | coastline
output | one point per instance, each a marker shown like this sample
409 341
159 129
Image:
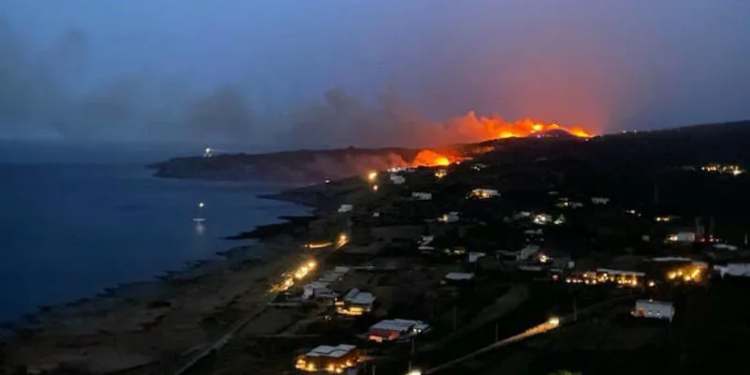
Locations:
140 308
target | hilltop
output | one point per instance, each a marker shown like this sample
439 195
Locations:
684 145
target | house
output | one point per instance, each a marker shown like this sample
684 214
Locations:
450 217
424 243
534 232
681 237
344 208
394 329
653 309
475 255
397 179
564 202
334 275
328 359
527 252
600 200
355 303
459 277
317 289
455 250
542 219
725 246
734 269
421 196
620 277
478 166
484 193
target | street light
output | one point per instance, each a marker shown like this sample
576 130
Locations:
414 372
553 321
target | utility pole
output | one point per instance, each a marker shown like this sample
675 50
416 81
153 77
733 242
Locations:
497 331
575 309
413 346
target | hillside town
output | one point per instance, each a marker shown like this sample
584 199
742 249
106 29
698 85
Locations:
485 265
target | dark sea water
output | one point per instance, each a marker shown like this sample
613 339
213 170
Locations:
69 230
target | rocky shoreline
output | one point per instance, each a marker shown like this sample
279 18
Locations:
82 334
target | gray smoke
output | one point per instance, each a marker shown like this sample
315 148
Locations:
41 94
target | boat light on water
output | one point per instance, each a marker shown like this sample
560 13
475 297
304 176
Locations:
199 218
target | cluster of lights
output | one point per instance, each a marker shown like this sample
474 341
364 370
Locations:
732 169
290 278
633 212
545 219
595 278
483 193
440 173
350 310
687 274
664 219
331 367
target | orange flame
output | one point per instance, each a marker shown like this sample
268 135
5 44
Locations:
430 158
475 127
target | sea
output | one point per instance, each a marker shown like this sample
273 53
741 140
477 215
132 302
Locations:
75 220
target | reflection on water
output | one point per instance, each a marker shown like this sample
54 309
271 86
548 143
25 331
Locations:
200 228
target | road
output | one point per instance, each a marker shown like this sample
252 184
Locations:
533 331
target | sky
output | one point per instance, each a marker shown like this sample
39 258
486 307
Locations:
290 73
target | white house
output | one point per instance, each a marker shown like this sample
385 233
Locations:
421 196
527 252
334 275
653 309
317 289
475 255
542 219
344 208
450 217
484 193
600 200
681 237
459 276
397 179
331 359
734 269
725 246
425 243
394 329
355 302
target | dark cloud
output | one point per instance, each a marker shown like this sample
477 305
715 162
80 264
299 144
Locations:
42 94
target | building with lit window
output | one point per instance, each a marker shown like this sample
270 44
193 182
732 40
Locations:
328 359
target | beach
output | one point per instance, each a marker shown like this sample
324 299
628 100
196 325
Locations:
136 325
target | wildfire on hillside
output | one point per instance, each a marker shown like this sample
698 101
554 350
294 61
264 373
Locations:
430 158
474 128
482 128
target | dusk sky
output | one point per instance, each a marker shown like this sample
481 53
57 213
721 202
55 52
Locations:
337 73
